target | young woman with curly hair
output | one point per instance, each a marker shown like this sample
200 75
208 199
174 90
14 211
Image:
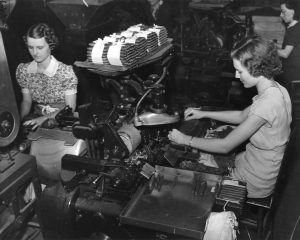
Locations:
265 123
47 85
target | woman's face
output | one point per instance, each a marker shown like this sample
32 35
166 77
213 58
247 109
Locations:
286 14
242 73
153 2
38 48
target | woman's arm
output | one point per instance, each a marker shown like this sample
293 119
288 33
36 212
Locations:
71 99
233 117
240 134
25 104
285 52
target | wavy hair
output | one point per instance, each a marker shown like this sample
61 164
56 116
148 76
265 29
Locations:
259 56
41 30
293 5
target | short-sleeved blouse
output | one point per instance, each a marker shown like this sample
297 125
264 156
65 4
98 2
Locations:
49 87
292 63
259 164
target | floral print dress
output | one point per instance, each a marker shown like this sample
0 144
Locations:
50 86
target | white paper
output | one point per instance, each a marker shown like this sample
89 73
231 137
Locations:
127 34
113 55
97 52
157 31
131 40
143 34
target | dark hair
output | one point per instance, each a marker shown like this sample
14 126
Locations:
42 30
259 56
293 5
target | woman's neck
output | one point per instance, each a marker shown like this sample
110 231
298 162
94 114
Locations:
42 66
264 84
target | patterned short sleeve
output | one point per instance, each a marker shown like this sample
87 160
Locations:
70 80
21 75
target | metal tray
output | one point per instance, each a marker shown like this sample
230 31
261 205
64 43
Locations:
170 202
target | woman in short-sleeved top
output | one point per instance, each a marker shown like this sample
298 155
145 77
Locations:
265 123
259 164
46 83
290 51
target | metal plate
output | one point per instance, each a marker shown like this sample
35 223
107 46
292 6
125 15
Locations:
171 205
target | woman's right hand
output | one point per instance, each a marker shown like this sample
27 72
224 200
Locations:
193 113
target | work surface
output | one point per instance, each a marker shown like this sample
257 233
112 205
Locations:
192 159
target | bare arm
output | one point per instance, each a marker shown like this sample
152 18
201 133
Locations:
285 52
233 117
25 104
71 100
240 134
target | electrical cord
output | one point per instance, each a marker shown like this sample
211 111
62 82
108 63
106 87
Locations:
294 229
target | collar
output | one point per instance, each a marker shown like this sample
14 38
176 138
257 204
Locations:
49 71
293 23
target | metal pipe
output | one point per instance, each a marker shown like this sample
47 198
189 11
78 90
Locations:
136 117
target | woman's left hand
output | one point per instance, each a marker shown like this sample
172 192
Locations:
177 137
35 122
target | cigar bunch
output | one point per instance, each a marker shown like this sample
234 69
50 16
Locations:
127 47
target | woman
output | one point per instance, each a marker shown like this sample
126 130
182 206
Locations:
155 5
266 123
290 51
46 83
148 12
163 13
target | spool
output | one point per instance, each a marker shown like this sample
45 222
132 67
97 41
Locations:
9 114
130 136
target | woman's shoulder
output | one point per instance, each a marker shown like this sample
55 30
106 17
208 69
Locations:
22 70
270 98
65 67
23 66
274 93
65 70
294 30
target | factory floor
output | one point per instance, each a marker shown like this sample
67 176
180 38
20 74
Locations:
34 233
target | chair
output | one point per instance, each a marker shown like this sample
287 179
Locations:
265 207
295 98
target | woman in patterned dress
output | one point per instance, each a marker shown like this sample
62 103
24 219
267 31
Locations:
47 85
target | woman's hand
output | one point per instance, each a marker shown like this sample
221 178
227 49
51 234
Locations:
193 113
178 137
35 122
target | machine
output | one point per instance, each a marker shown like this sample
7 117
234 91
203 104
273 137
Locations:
124 142
124 167
18 173
9 117
125 186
